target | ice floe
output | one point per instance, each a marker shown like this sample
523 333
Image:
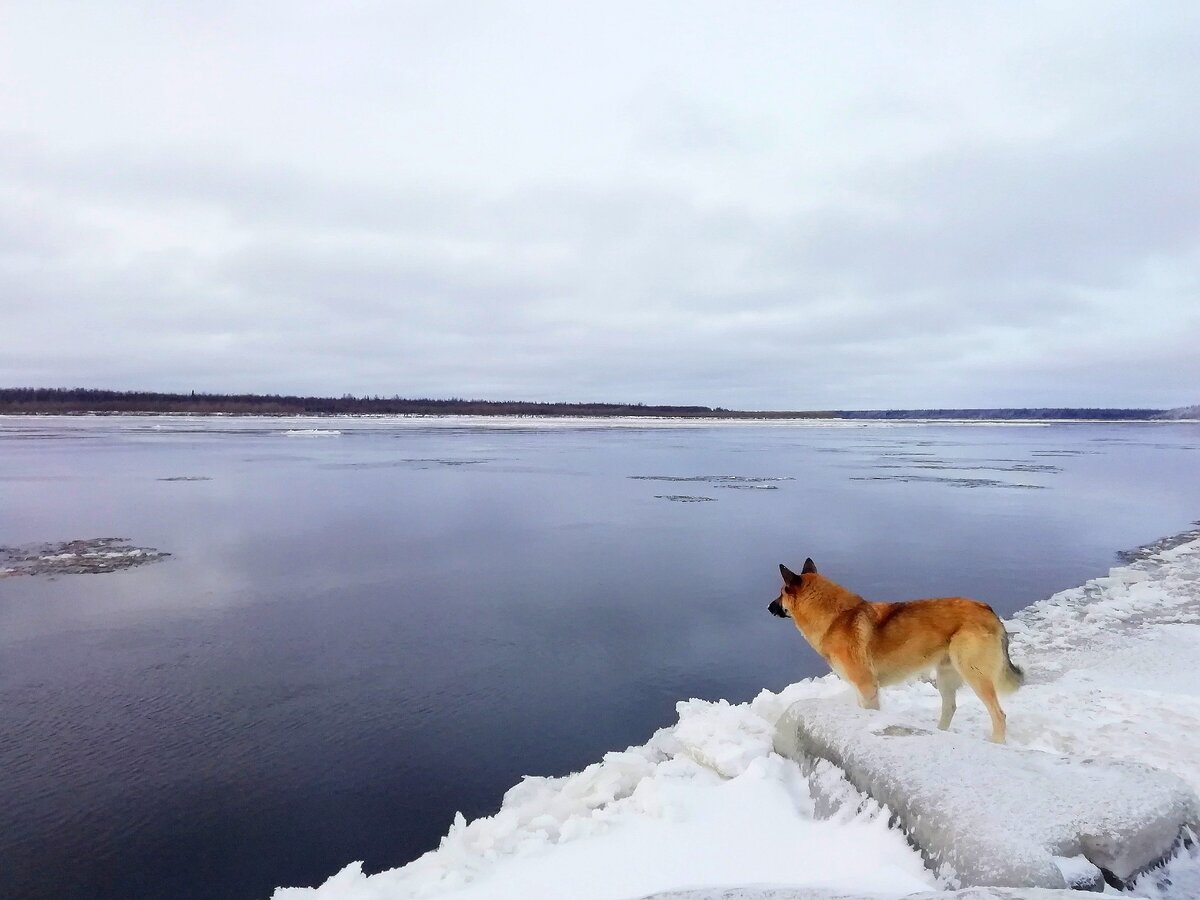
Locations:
80 557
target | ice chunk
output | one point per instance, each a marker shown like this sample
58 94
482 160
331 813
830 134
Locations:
984 814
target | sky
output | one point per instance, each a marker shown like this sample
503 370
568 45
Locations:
761 205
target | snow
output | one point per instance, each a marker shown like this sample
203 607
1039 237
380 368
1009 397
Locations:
312 432
986 814
92 554
780 892
704 802
1111 672
689 826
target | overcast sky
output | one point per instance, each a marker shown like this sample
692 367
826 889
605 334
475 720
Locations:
754 205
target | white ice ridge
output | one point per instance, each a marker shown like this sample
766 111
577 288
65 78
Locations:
1111 672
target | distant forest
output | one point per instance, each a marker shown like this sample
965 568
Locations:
60 401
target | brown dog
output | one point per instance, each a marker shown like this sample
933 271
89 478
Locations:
871 644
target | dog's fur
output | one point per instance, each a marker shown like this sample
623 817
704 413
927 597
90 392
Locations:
872 644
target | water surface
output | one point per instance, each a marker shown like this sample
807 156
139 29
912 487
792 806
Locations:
359 633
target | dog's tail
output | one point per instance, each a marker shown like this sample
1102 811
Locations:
1011 675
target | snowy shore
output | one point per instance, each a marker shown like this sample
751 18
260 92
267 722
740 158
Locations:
1111 672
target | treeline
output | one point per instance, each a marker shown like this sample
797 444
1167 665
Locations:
67 401
47 401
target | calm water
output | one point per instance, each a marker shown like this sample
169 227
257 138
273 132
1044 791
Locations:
359 634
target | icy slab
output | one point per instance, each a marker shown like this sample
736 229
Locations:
985 814
755 892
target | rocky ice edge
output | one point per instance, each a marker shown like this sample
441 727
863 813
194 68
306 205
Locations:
1111 673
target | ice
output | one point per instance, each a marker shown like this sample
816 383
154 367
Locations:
85 556
778 892
681 824
706 802
985 814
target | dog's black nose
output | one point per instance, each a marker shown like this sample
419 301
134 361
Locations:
776 609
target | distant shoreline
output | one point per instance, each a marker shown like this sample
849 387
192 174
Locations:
79 401
648 420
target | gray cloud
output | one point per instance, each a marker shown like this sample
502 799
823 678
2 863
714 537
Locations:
814 207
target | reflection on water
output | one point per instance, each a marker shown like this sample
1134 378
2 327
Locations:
359 633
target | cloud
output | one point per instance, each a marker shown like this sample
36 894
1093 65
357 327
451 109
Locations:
812 209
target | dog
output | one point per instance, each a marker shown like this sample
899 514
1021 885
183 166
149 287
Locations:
873 644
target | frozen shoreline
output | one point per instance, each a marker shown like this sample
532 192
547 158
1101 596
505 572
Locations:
527 420
707 802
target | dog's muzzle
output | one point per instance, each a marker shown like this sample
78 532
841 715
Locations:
776 609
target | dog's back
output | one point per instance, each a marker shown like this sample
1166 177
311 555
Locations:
916 635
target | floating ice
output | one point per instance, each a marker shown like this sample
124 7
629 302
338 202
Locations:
81 557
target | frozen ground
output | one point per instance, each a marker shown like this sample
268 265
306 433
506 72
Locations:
1111 672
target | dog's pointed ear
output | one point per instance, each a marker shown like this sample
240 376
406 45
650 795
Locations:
789 577
809 567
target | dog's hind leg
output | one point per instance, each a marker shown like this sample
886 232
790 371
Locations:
948 683
986 692
974 656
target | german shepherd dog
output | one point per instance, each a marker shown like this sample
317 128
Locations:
870 644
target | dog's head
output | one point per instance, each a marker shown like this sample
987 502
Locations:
792 584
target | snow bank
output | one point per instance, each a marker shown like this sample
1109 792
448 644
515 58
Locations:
703 802
985 814
1112 673
771 892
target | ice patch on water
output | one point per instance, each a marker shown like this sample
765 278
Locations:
81 557
953 482
719 480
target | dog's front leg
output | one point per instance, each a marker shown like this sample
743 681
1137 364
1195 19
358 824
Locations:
865 684
868 696
853 668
